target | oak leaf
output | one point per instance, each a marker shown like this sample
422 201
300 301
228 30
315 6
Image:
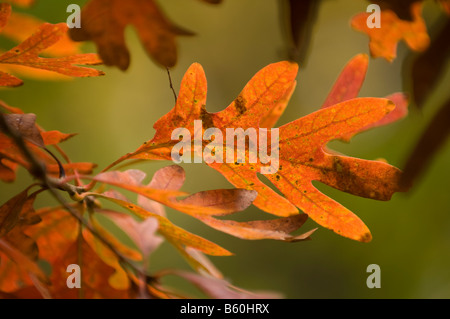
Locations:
62 242
27 53
104 22
18 252
302 154
383 40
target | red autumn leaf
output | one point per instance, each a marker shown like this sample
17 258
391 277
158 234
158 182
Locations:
104 22
347 87
302 156
27 53
383 40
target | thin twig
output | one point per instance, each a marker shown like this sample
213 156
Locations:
171 85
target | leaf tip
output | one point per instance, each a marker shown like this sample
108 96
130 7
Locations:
366 237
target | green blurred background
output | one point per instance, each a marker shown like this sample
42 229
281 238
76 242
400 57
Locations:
115 114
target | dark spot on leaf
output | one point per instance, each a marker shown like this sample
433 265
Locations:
239 104
206 118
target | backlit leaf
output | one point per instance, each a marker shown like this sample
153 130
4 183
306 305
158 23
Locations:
303 157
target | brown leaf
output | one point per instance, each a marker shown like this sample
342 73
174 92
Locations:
24 125
277 229
9 212
104 22
222 201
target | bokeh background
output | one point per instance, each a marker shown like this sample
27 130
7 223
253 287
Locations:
115 114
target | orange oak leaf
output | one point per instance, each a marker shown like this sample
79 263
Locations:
303 157
21 26
62 242
27 53
383 40
16 269
18 252
104 22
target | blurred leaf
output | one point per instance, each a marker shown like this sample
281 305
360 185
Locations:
428 67
27 53
9 212
21 26
383 40
18 252
428 146
104 22
277 229
221 289
24 125
172 232
142 233
22 3
402 8
62 242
